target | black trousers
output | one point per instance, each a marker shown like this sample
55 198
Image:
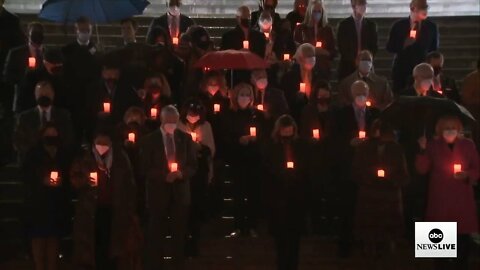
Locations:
103 230
287 247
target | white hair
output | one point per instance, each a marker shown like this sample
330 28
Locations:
169 110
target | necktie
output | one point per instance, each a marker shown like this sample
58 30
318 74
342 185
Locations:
44 118
170 148
174 27
361 119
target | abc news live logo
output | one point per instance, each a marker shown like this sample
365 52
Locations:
435 239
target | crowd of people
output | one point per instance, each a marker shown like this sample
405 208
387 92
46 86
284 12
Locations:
142 139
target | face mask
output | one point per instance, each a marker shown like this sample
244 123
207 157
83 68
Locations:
323 101
245 23
174 11
83 37
102 149
44 101
265 24
50 140
365 66
212 89
193 119
450 135
36 38
170 127
243 102
133 124
317 16
437 71
112 83
425 84
309 63
261 83
361 101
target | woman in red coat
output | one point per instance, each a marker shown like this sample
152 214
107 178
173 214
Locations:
450 194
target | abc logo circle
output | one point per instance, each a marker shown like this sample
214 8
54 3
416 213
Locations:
435 236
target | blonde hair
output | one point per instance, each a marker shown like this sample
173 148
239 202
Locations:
284 121
135 111
165 86
444 120
308 14
234 95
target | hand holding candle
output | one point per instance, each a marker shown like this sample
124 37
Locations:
131 137
381 173
316 134
54 179
106 107
368 103
253 131
194 136
318 44
173 167
32 62
290 165
286 57
457 168
216 108
260 107
153 113
362 134
175 41
246 44
93 179
303 88
413 34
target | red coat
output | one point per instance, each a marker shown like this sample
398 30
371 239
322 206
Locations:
451 199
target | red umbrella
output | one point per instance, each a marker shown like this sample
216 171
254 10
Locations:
231 59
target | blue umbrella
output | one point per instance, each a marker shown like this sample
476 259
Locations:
99 11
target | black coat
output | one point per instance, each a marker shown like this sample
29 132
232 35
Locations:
16 64
347 43
11 34
255 15
294 18
234 38
134 59
162 21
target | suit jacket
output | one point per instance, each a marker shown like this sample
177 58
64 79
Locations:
234 38
274 102
255 15
380 93
16 64
134 59
155 167
294 18
410 91
162 21
11 35
347 41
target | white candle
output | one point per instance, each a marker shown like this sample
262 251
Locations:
381 173
457 168
173 167
175 41
32 62
260 107
131 137
94 178
246 44
106 107
286 57
153 113
318 44
253 131
194 136
290 165
362 134
216 108
303 87
413 34
316 133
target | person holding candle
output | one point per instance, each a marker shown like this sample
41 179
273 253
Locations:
411 50
47 204
380 171
272 99
156 93
423 76
106 231
442 84
316 31
286 166
297 15
267 6
169 161
451 194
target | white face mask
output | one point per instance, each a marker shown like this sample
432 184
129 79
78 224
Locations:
261 83
425 85
169 127
174 11
83 37
243 101
365 66
265 25
361 101
102 149
450 135
193 119
212 89
309 63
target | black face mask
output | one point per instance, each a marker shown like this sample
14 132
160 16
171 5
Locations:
44 101
50 140
133 125
437 70
36 37
245 23
323 101
57 70
112 83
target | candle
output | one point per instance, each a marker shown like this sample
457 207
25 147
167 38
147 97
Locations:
362 134
216 108
194 136
286 57
457 168
53 177
153 113
267 35
106 107
245 44
290 165
318 44
260 107
173 167
440 92
32 62
175 41
253 131
413 34
368 103
316 133
131 137
303 87
94 178
381 173
298 23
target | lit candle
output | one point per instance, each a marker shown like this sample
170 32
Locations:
318 44
53 177
106 107
362 134
131 137
290 165
175 41
194 136
381 173
298 23
153 113
260 107
173 167
94 178
216 108
253 131
457 168
316 133
286 57
267 35
368 103
303 87
413 34
245 44
440 92
32 62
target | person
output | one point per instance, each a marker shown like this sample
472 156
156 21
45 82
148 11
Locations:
442 84
245 133
168 159
450 193
410 40
286 166
12 34
156 93
193 121
106 232
355 34
354 118
297 15
470 95
272 100
47 202
174 21
269 7
378 214
316 31
17 60
380 94
31 121
423 75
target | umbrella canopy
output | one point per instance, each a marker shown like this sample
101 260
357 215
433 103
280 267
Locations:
231 59
99 11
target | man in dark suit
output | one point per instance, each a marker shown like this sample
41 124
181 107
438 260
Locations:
354 118
267 6
422 84
442 84
173 21
272 99
355 33
168 158
297 15
11 34
30 122
411 39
